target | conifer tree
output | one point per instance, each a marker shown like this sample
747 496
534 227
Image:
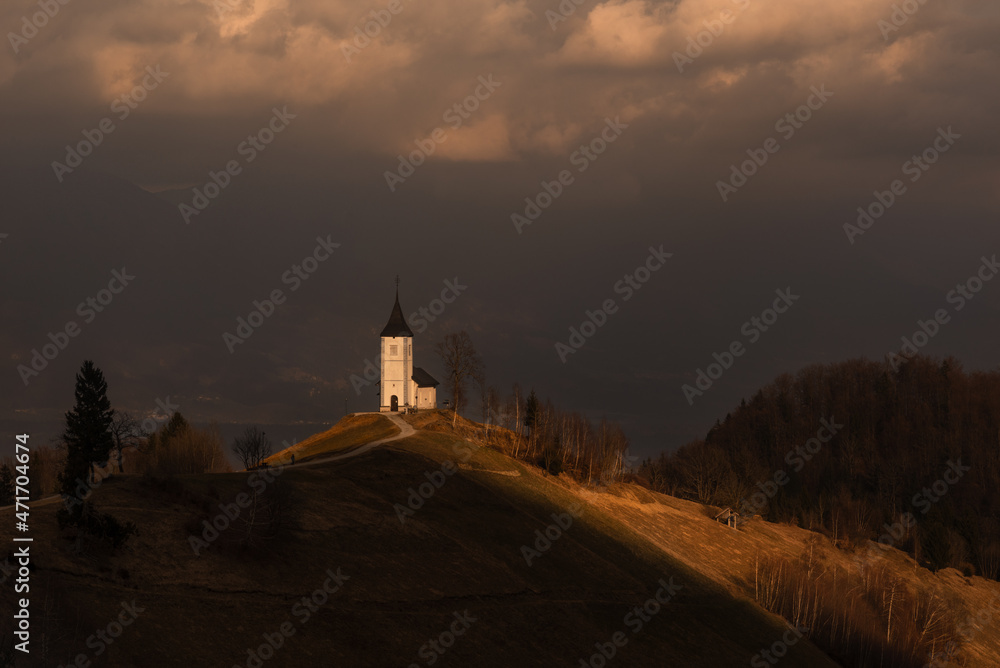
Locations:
87 436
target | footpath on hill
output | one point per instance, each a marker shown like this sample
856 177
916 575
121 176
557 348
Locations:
404 430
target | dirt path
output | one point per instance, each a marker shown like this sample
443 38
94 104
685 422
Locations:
45 501
404 430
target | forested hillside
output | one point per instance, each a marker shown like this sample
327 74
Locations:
859 450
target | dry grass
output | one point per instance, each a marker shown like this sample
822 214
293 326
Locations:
440 420
461 550
862 618
353 431
686 531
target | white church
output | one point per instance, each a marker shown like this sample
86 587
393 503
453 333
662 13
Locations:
402 385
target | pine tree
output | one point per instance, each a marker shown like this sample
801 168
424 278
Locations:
531 410
88 435
175 427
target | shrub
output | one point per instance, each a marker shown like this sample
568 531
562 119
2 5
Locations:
103 526
181 449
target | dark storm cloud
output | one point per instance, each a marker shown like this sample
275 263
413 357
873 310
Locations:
357 106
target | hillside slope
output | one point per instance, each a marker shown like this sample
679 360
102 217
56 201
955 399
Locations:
862 444
456 564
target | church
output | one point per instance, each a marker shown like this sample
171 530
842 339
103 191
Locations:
402 385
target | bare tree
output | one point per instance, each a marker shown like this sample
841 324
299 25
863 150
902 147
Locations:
461 362
252 448
266 515
484 390
126 432
492 398
518 401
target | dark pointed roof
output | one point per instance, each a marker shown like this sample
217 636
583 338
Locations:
422 378
397 323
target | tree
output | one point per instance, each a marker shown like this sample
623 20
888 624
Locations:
252 448
87 436
461 362
177 447
35 488
531 411
126 432
479 379
493 401
174 428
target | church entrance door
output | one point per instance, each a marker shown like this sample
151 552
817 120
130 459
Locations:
395 403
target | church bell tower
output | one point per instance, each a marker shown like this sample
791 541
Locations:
396 388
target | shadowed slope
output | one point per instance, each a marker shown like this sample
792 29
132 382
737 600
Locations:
460 550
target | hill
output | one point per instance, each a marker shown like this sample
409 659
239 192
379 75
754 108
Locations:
428 549
351 432
861 446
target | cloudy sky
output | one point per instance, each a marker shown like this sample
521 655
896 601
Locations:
535 152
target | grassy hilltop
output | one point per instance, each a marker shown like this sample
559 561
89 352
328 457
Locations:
450 583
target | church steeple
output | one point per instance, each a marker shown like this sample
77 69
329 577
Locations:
402 386
397 323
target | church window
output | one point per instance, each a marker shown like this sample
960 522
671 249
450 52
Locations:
393 350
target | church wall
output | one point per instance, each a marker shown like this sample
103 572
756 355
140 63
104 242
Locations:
396 370
426 397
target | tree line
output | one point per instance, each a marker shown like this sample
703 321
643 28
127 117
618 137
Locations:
97 441
914 460
526 428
